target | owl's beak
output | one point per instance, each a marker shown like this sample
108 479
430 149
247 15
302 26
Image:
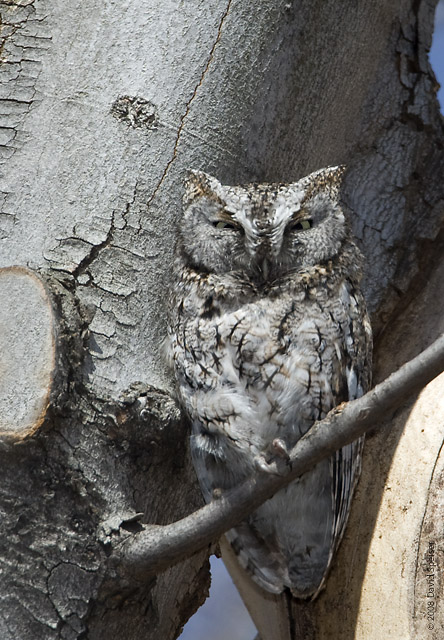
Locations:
265 268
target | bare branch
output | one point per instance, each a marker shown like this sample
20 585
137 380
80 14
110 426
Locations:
158 547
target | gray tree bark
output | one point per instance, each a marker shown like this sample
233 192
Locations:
103 107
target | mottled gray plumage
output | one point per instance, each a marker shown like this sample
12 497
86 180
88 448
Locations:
269 332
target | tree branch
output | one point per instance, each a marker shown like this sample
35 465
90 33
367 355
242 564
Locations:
159 547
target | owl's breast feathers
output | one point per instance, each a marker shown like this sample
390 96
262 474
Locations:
286 354
256 365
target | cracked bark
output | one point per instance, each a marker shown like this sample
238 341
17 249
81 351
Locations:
102 110
189 103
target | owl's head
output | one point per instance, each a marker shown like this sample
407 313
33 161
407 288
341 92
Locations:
262 231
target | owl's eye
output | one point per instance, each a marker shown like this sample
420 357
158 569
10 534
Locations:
303 225
220 224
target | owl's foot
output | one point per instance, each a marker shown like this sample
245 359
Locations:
271 461
275 467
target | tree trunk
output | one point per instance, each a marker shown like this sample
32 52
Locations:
103 108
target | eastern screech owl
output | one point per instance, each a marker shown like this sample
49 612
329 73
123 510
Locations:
269 331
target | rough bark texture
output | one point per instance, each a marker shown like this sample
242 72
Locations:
103 107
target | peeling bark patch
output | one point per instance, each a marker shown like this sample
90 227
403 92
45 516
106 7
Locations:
68 586
136 112
21 41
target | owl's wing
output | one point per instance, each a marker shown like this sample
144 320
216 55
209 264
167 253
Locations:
346 463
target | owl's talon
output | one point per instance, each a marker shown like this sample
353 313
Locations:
280 449
261 464
266 467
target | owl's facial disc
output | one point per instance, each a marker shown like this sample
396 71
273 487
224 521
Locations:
261 232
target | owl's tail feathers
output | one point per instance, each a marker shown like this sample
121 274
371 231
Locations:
307 578
255 556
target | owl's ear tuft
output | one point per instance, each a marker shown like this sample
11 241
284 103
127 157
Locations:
334 176
199 184
327 180
337 173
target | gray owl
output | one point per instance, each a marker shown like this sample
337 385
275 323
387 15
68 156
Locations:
269 332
